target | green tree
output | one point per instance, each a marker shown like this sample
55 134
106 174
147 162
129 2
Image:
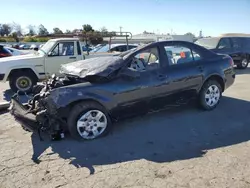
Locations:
32 30
17 28
67 31
87 28
56 30
92 37
5 29
190 34
42 30
15 36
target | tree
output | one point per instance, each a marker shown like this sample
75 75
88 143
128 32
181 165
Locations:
190 34
87 28
42 30
57 31
67 31
92 37
5 29
31 29
17 28
14 36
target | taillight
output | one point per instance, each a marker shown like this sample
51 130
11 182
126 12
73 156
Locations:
5 55
231 61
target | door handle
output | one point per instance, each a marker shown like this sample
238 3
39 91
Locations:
200 68
72 57
162 76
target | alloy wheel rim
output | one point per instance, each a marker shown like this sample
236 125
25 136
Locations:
212 95
244 63
92 124
23 83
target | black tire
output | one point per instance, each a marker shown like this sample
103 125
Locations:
202 99
243 64
28 76
81 108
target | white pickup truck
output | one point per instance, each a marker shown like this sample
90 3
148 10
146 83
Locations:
24 71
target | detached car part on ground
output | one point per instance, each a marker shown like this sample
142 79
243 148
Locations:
97 92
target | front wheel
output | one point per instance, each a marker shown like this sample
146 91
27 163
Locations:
210 95
243 64
88 120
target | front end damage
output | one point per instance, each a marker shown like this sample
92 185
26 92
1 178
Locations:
40 114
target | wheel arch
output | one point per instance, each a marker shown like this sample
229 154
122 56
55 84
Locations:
64 110
23 69
216 77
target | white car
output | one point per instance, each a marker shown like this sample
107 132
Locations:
15 52
24 71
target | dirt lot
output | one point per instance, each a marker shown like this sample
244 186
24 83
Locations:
176 148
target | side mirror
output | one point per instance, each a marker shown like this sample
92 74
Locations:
50 54
129 73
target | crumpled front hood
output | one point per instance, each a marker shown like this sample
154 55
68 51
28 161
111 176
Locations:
20 57
99 66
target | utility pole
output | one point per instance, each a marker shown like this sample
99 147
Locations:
120 30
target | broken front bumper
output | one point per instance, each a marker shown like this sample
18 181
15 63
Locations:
23 116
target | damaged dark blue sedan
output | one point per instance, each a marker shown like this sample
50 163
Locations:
97 92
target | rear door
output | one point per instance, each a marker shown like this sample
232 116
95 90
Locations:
185 73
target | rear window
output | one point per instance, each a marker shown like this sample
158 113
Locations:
209 43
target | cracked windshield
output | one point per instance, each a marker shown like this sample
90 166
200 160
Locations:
115 94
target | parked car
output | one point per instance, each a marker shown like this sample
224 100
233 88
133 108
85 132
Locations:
235 45
86 49
24 71
99 91
24 46
34 47
114 48
4 52
15 52
109 50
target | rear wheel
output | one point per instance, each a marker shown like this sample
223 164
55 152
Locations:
22 81
88 120
210 95
243 64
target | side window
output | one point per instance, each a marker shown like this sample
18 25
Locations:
224 43
178 54
247 43
131 47
78 48
237 43
63 49
146 60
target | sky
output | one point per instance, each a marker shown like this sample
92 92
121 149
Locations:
213 17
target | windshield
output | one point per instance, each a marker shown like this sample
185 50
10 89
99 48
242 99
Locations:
209 43
47 47
95 49
103 49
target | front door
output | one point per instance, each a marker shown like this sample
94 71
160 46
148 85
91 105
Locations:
136 96
62 53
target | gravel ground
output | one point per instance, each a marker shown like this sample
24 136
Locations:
175 148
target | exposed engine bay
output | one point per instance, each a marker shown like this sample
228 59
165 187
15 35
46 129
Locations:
38 114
